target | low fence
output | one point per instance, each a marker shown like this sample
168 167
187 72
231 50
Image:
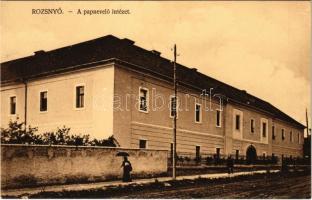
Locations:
32 165
185 159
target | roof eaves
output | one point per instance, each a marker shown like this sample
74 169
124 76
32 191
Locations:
60 70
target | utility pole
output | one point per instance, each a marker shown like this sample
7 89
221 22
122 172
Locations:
175 114
307 120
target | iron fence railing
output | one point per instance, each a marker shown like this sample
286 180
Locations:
185 159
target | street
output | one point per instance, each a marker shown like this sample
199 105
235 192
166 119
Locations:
265 185
274 187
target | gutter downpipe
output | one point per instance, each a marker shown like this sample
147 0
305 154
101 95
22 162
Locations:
25 104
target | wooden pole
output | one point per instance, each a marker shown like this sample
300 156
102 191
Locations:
307 120
175 115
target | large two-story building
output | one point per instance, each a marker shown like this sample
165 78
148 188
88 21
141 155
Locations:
110 86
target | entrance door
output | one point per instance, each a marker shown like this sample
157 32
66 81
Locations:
251 155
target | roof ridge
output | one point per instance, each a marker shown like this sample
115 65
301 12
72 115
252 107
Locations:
110 46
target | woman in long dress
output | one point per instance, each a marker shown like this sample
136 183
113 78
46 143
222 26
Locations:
127 168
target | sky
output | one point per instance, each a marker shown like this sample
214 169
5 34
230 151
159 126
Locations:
261 47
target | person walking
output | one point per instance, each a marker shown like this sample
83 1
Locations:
127 168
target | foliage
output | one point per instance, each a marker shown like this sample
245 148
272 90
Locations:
111 142
16 133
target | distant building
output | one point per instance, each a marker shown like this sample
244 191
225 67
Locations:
109 86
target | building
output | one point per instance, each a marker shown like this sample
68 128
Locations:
110 86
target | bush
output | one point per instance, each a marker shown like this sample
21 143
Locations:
17 134
110 142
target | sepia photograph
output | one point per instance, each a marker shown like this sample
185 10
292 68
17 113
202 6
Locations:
155 99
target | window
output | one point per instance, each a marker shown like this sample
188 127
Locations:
173 106
197 152
13 105
237 154
273 133
283 134
197 112
142 144
237 122
291 136
218 152
43 101
218 118
264 129
79 96
143 99
252 125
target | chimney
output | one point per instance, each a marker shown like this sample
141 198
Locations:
194 69
128 41
40 52
155 52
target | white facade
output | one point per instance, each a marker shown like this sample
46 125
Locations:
94 118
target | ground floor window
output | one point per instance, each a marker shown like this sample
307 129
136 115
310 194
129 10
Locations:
236 154
218 153
197 152
142 144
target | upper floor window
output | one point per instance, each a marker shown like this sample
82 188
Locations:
198 112
283 134
13 105
291 136
80 96
237 122
43 101
173 106
218 122
252 125
273 133
264 131
143 99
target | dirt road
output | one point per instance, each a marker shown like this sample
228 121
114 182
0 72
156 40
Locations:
265 187
268 185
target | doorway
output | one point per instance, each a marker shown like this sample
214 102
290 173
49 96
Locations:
251 155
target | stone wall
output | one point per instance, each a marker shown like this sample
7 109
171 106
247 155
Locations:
31 165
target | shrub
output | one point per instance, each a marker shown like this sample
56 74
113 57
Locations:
17 134
110 142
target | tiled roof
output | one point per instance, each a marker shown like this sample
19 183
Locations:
124 50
